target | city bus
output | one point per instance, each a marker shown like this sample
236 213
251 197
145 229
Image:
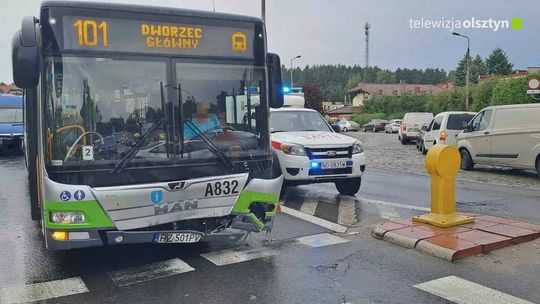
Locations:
128 138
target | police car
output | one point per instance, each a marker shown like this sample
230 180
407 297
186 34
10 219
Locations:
308 150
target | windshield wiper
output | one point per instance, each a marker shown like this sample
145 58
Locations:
124 161
210 144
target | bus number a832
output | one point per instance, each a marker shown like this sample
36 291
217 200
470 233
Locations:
90 32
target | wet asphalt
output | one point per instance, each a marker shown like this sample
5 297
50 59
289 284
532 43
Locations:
362 270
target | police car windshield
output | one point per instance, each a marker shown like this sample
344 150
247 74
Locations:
296 121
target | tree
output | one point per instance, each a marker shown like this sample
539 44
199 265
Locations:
460 73
385 76
498 64
478 67
353 81
314 97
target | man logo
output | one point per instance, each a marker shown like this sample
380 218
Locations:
176 186
239 42
156 197
331 153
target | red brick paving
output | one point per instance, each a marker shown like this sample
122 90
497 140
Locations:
486 234
489 241
463 248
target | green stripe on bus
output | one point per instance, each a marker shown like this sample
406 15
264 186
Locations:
93 213
248 197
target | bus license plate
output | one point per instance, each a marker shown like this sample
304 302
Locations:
334 165
177 237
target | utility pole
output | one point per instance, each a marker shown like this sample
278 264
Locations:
367 26
298 56
468 62
263 10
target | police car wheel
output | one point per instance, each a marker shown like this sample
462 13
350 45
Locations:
348 186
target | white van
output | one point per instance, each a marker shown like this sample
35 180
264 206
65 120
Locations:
444 129
507 136
412 122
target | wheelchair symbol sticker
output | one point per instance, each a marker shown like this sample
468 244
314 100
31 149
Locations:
65 196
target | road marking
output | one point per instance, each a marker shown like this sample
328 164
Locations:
309 206
347 210
403 206
387 212
42 291
314 220
138 274
229 256
461 291
321 240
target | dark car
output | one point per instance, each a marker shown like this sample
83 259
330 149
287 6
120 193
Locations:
375 125
420 140
11 123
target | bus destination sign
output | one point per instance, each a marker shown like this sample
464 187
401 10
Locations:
133 36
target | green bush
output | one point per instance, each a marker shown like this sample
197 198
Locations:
364 118
481 94
511 91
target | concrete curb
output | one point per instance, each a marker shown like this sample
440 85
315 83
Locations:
436 251
401 240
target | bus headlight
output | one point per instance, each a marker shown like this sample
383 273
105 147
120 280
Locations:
292 149
67 217
357 148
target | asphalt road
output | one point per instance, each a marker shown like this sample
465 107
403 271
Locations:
299 262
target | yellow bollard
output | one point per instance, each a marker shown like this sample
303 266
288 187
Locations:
442 163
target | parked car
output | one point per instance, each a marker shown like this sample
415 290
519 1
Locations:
420 140
507 136
308 150
11 123
375 125
412 122
444 129
347 125
393 126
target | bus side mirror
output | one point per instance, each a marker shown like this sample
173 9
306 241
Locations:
25 54
275 94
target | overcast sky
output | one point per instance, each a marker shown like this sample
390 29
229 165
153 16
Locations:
331 31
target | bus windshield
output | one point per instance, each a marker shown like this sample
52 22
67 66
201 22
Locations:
98 109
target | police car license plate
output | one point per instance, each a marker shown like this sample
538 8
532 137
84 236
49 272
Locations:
333 164
177 237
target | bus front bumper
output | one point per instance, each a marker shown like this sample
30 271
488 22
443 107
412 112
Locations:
94 238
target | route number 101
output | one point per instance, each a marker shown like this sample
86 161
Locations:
91 33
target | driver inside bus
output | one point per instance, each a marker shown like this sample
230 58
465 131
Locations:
204 120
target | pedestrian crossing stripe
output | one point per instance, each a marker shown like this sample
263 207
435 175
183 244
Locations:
229 256
42 291
147 272
461 291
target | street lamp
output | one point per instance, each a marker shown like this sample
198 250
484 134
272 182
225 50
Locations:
299 56
468 70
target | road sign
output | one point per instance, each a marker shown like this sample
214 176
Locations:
533 84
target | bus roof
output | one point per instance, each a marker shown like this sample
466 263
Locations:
10 101
147 10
